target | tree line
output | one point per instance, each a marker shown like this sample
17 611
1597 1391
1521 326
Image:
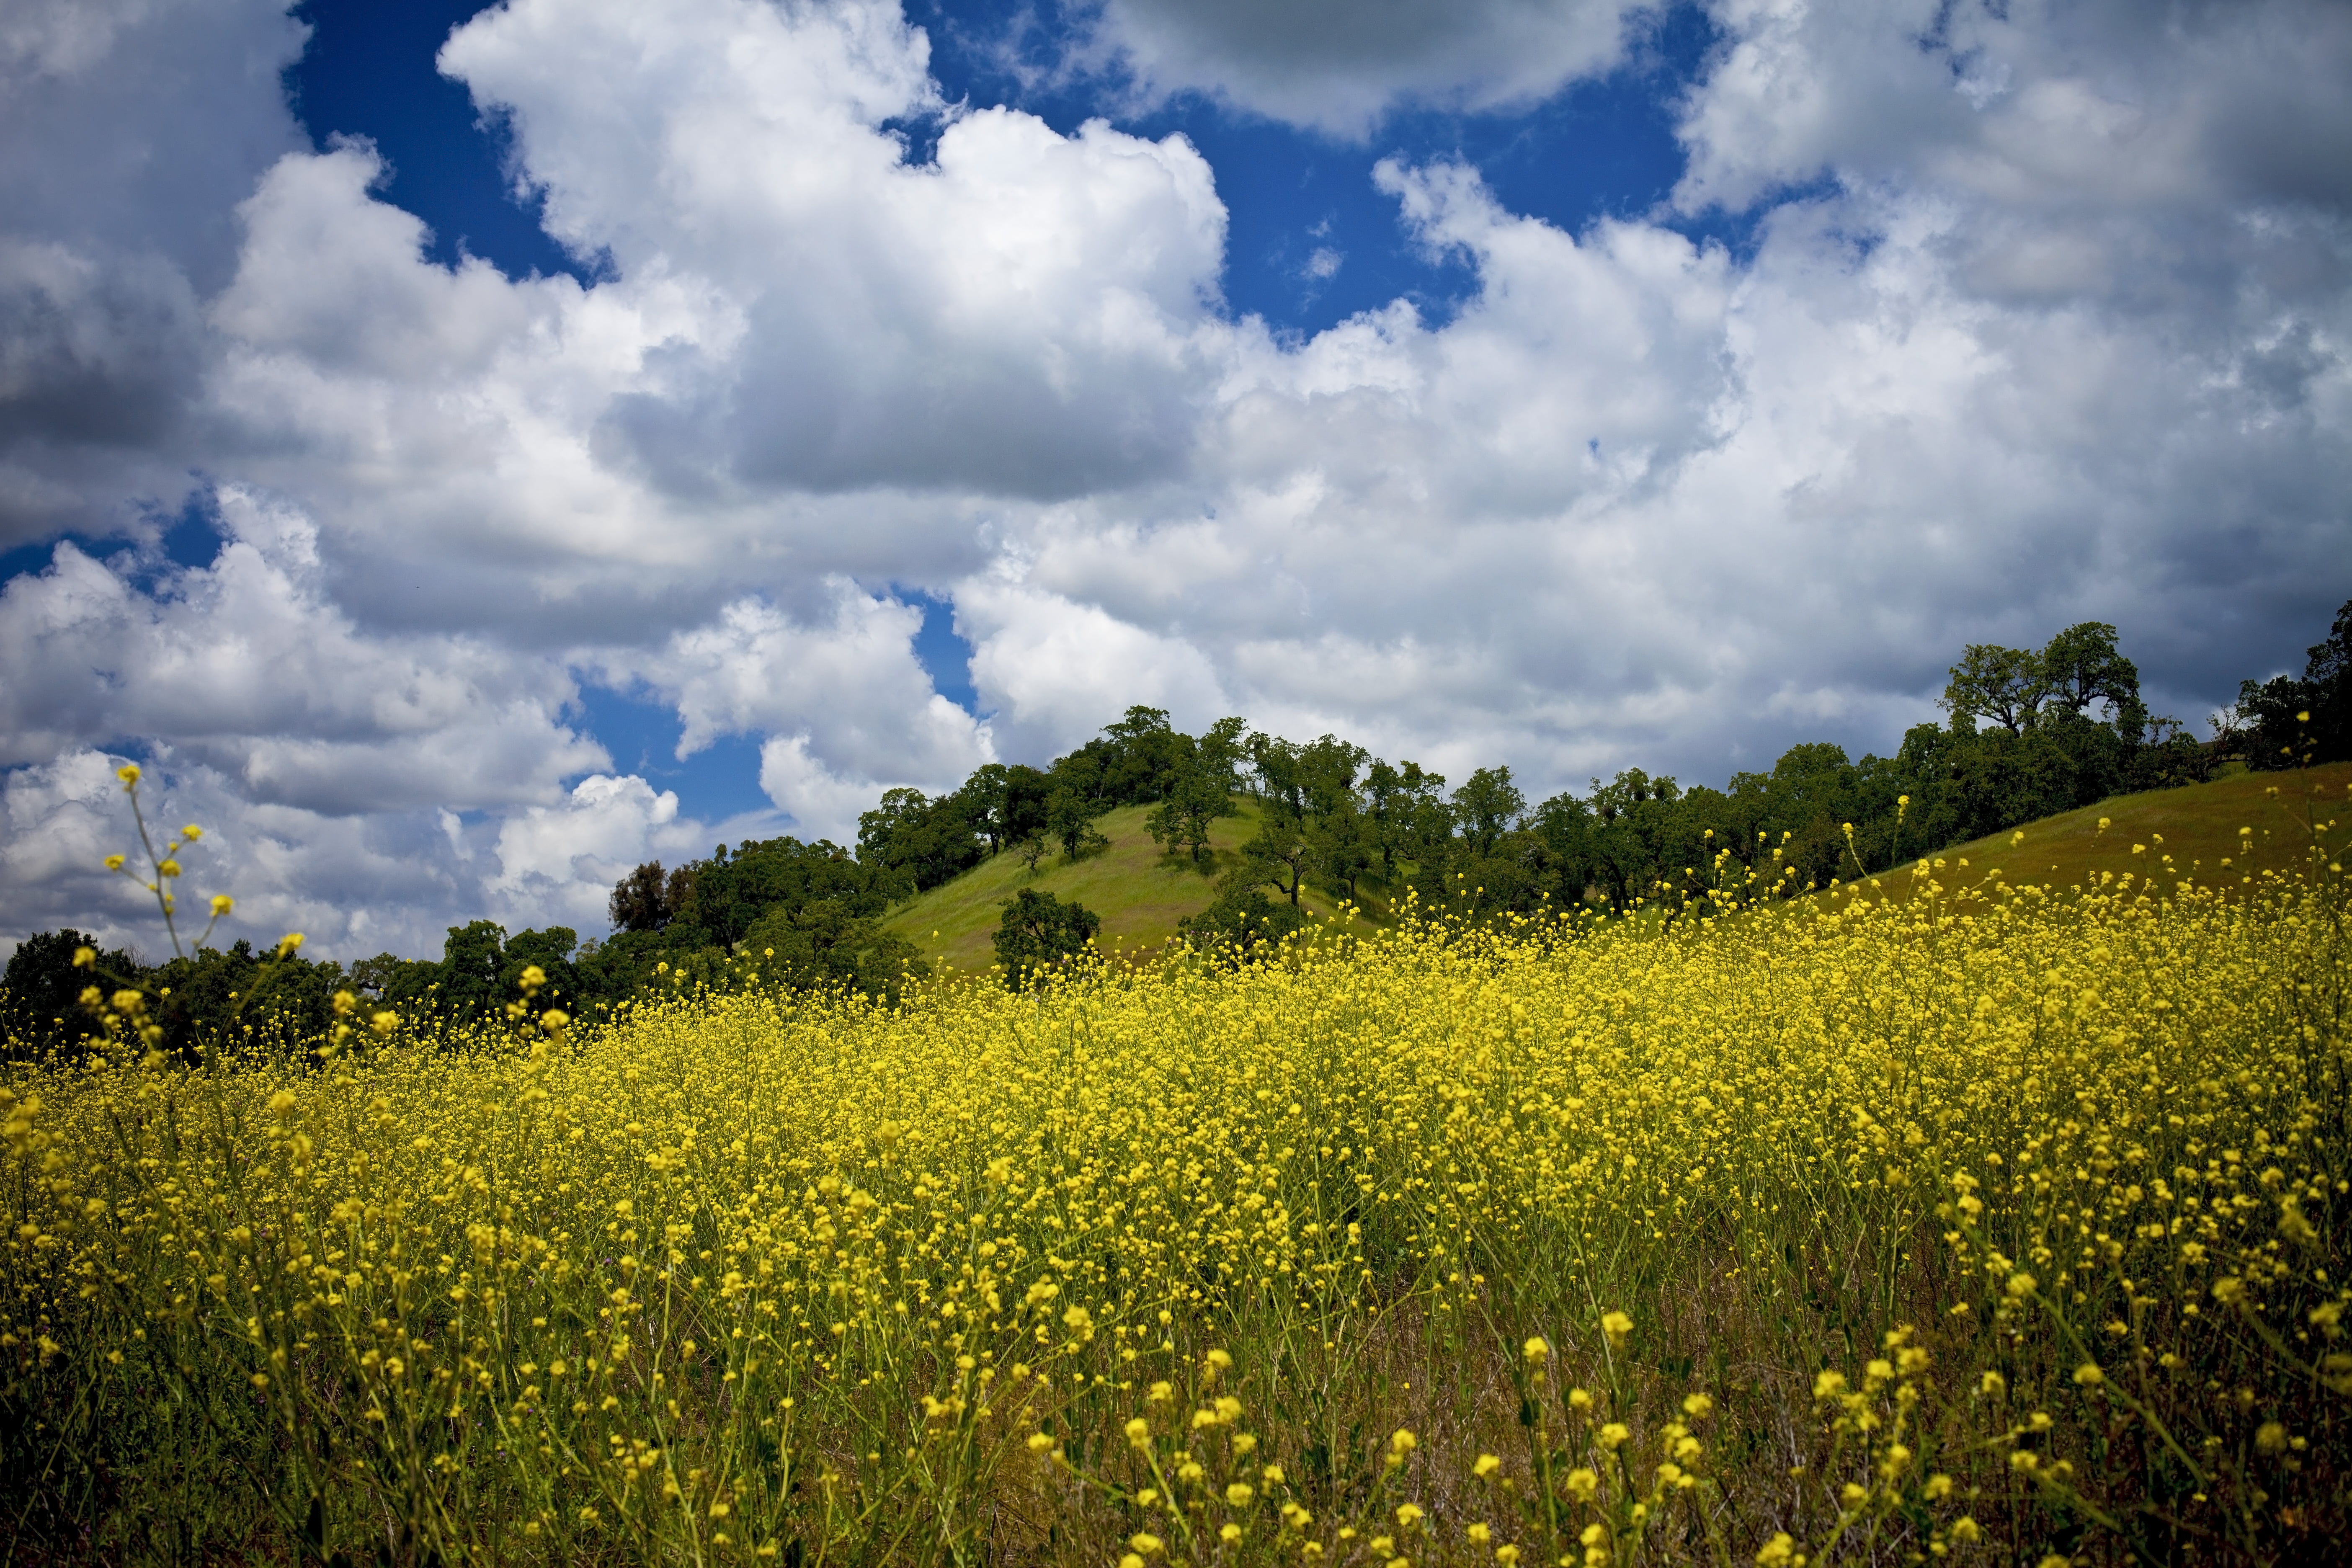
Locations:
2026 734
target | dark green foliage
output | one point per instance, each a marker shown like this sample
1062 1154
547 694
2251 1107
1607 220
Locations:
822 946
1202 793
214 998
1242 926
1486 807
1006 805
623 963
481 970
1409 815
2284 722
1279 854
244 998
2020 689
1040 931
930 841
41 1008
729 892
645 899
1070 822
1135 762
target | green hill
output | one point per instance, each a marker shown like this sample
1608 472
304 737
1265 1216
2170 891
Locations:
1139 892
2195 825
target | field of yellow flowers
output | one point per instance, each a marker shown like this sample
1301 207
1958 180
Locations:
2002 1229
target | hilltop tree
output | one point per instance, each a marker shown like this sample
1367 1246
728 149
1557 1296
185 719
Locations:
2289 723
646 899
2006 685
2080 666
1486 807
1410 818
932 841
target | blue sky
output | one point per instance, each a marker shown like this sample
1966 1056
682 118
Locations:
1603 146
860 391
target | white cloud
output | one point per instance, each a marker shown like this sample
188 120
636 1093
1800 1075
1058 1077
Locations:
1339 65
1026 302
850 682
250 667
557 864
822 804
129 131
1056 670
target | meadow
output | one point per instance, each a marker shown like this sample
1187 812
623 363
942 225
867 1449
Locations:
2001 1223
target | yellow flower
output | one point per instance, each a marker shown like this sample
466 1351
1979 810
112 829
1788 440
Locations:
1777 1552
1535 1350
129 773
85 957
1240 1493
222 904
1486 1465
1616 1325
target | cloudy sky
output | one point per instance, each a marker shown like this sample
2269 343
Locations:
464 454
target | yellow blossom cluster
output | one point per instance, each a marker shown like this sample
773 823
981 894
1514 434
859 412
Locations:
1831 1230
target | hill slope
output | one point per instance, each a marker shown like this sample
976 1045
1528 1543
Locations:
1139 892
2196 826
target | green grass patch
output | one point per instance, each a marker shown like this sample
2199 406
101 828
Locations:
2196 825
1139 892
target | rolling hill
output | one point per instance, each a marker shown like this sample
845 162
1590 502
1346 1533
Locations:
2194 828
1140 893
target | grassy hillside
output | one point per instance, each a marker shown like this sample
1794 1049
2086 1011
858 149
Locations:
1139 892
2197 826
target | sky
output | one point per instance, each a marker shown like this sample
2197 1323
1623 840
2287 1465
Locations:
463 453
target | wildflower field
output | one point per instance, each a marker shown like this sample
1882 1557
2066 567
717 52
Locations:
1999 1225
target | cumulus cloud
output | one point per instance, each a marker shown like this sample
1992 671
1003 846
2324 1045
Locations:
2045 318
249 668
1339 65
557 864
129 132
1022 306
